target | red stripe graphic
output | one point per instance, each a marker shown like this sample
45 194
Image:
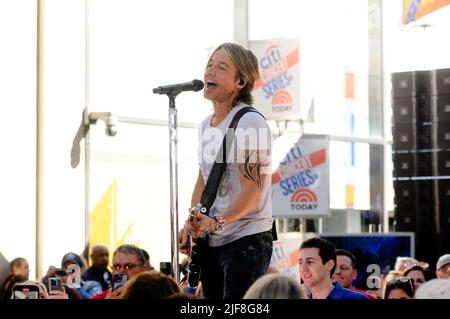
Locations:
314 159
303 195
292 59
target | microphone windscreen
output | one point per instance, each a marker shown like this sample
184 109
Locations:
198 85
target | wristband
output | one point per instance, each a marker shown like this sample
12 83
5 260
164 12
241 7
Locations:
220 222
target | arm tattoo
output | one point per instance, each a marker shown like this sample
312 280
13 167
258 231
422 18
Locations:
252 168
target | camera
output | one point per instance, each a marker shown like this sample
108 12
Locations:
118 280
111 123
60 272
54 284
166 268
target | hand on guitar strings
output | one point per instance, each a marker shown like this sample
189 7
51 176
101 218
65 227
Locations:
200 225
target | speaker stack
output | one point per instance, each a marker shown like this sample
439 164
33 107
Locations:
421 156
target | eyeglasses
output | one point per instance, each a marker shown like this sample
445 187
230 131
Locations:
398 279
125 267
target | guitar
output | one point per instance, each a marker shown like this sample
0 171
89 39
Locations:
197 244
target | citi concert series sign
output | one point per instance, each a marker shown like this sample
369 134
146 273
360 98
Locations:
277 92
301 184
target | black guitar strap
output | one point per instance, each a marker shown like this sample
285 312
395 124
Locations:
212 184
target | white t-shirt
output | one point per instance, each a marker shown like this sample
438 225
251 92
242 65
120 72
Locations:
253 135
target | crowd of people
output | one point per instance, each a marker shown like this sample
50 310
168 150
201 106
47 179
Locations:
325 272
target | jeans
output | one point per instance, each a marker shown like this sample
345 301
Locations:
229 270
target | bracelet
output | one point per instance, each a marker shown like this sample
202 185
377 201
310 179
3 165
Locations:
220 222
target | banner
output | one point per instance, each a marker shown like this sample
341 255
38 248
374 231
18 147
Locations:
277 92
301 184
415 9
285 257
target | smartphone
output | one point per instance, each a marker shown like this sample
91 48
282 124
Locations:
60 272
54 284
118 280
26 291
165 267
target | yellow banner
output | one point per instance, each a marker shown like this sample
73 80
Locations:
103 218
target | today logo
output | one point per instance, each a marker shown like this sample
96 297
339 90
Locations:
304 199
281 102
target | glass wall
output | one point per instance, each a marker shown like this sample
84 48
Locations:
135 46
17 130
334 60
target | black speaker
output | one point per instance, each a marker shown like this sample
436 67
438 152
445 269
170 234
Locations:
426 221
404 164
424 164
442 78
443 135
414 192
423 83
444 219
402 84
404 110
445 243
411 83
444 192
409 136
404 136
424 106
405 193
405 218
427 247
412 164
424 136
443 163
425 191
443 107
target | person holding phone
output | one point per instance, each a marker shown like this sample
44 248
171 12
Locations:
128 261
72 266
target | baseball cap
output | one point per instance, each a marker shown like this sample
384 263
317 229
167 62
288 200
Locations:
434 289
442 261
71 258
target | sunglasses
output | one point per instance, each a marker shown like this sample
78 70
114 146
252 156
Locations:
398 279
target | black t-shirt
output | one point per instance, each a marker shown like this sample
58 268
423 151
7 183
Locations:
103 276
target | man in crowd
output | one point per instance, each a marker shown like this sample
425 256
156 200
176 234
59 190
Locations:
317 261
346 270
128 260
99 272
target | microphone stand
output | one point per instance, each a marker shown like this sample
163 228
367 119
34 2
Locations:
172 91
173 165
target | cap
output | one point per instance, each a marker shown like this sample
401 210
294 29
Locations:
442 261
72 258
402 263
434 289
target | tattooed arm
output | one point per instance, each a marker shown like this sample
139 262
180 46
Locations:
253 168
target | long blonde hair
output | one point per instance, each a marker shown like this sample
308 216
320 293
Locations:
275 286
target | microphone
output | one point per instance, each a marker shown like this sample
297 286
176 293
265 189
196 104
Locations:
194 85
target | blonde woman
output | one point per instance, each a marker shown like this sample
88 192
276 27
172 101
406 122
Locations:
275 286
